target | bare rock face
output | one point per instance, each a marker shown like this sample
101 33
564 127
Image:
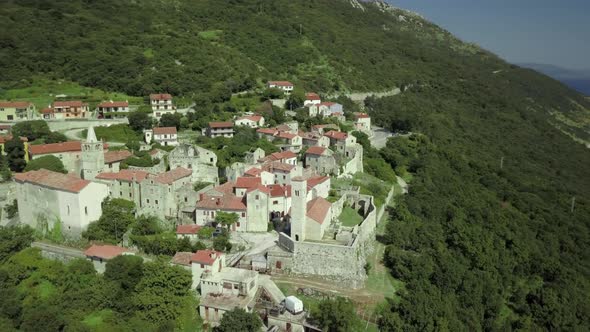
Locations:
356 4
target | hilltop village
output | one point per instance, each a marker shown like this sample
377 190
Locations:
289 203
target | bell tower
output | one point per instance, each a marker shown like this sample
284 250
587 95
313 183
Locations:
92 156
298 208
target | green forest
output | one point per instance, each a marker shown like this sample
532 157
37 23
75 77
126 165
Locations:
494 234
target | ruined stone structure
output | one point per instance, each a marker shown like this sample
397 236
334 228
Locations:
202 161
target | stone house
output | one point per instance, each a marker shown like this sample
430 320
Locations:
285 86
283 173
318 186
265 176
158 192
210 204
99 255
314 139
286 157
251 121
161 104
70 109
123 184
324 109
290 142
321 160
107 109
16 110
46 197
203 162
341 140
362 122
253 156
324 128
309 220
312 98
219 129
166 136
280 200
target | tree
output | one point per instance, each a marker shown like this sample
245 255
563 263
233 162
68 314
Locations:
15 151
49 162
295 100
272 93
139 121
206 232
125 270
11 209
221 243
171 120
335 315
14 239
32 130
117 216
238 320
146 225
226 218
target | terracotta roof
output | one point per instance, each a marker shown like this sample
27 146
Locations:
173 175
115 156
358 115
226 188
338 135
277 166
312 182
220 124
254 118
260 188
312 96
247 182
225 202
71 103
15 104
54 180
6 138
70 146
160 96
182 258
114 104
253 172
284 155
277 190
267 131
317 209
284 127
285 135
47 111
316 150
280 83
106 251
206 257
187 229
165 131
124 175
327 103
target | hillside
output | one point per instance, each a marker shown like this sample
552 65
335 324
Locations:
477 246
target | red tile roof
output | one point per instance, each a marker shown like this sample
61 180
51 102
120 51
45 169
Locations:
15 104
327 103
358 115
54 180
106 251
284 127
260 188
247 182
316 150
226 202
160 96
187 229
114 104
312 96
280 83
277 190
277 166
206 257
221 125
338 135
182 258
255 118
165 131
70 146
47 111
317 209
312 182
267 131
283 155
115 156
173 175
71 103
226 188
126 175
6 138
253 172
285 135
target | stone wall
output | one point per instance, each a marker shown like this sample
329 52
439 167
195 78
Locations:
156 169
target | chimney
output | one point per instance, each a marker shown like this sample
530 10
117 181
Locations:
201 196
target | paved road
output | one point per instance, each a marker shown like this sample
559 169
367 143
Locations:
379 137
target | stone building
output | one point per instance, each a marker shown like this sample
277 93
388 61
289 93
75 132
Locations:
362 122
92 156
203 162
321 160
46 198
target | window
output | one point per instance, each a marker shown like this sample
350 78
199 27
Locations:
156 202
238 224
10 117
185 199
275 202
147 200
243 214
120 193
68 209
202 266
211 159
257 196
86 210
129 194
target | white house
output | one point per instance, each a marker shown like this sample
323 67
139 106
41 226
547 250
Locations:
188 231
252 121
362 122
99 255
326 108
286 86
47 198
312 98
161 104
166 136
107 108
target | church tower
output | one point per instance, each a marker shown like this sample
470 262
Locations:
92 156
298 208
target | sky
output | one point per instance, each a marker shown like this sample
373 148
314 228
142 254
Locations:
555 32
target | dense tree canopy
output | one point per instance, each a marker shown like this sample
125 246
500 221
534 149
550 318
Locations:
49 162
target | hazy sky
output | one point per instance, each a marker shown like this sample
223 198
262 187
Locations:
543 31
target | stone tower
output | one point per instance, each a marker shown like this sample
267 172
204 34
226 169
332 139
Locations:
298 208
92 156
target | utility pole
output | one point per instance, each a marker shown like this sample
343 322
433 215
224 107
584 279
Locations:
573 204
